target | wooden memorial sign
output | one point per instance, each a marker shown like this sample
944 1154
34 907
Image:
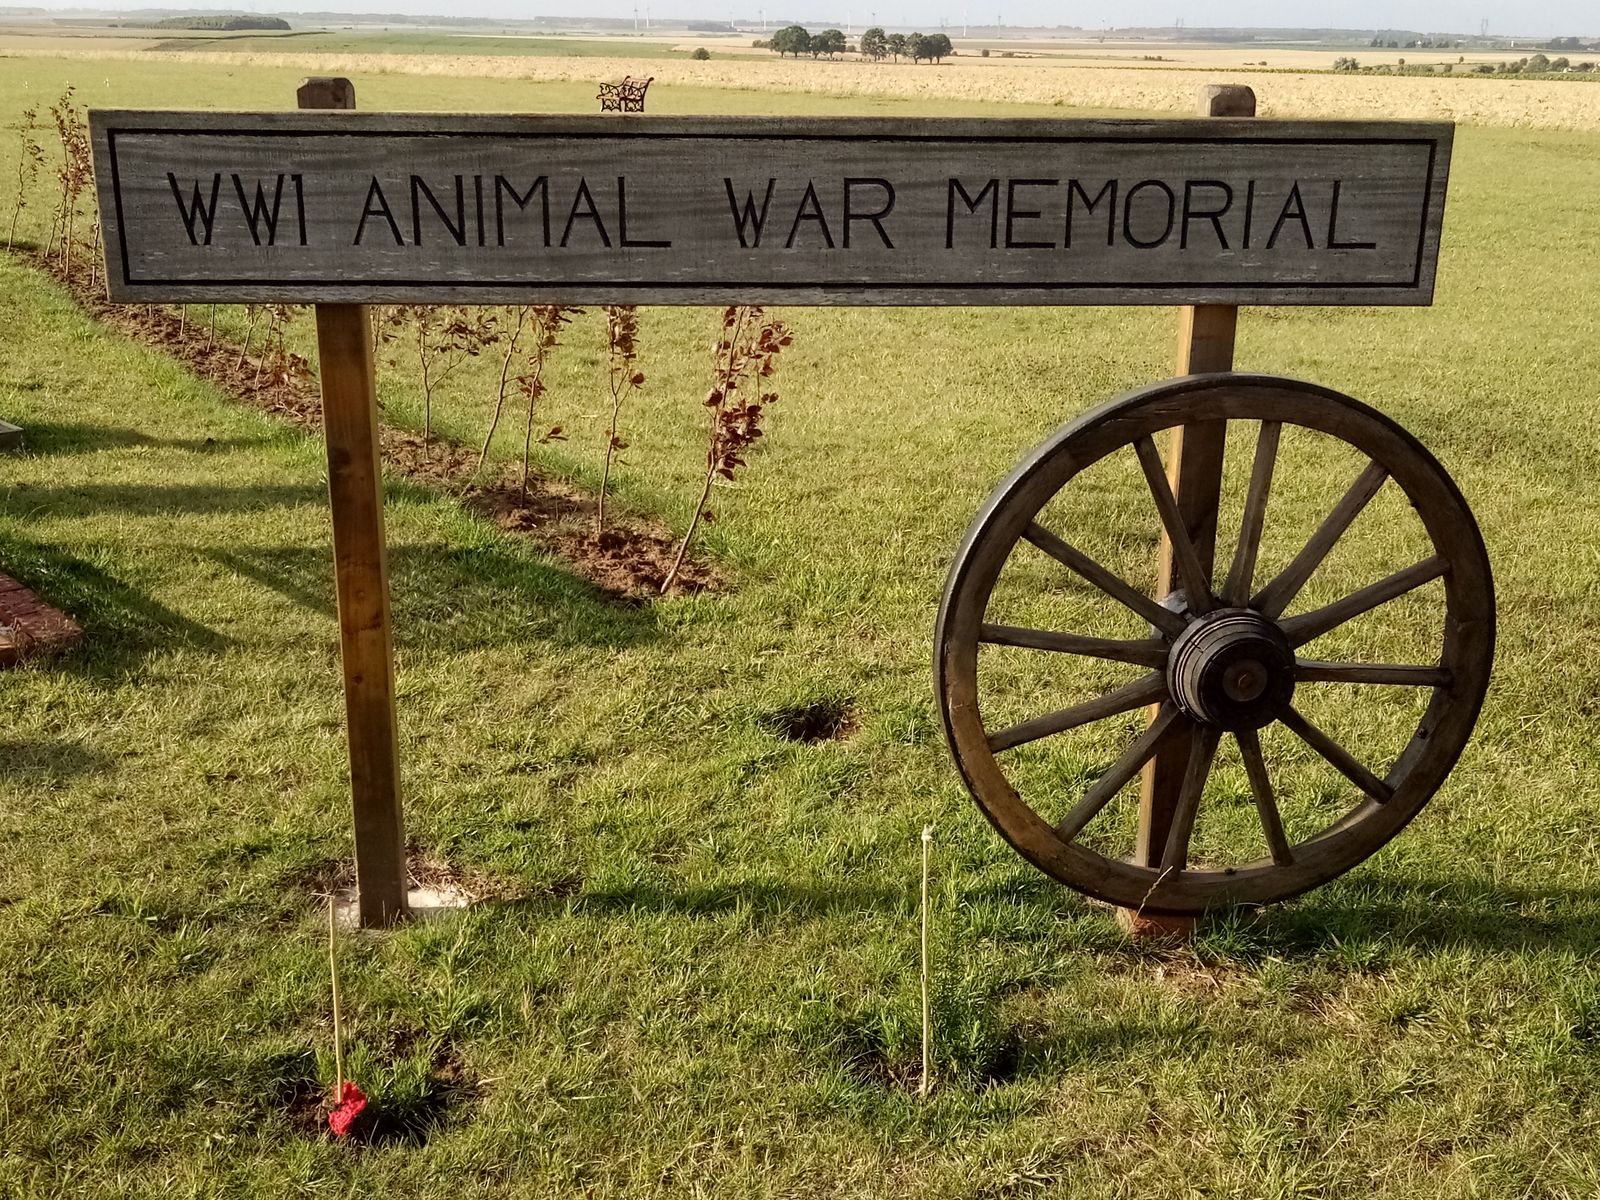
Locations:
340 209
386 208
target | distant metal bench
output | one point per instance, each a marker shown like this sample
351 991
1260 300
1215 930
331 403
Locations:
627 96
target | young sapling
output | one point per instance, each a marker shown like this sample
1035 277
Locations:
622 357
745 355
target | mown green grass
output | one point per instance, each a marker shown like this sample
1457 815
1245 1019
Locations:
715 939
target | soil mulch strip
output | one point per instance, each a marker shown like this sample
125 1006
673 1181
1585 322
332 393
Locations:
30 628
627 562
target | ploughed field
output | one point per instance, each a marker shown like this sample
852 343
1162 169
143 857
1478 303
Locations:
696 821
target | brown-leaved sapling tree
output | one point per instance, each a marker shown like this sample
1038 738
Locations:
622 360
30 160
746 356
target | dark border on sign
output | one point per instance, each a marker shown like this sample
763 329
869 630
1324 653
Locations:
1415 283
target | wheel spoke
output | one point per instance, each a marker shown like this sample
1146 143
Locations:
1309 626
1118 774
1081 564
1202 751
1148 652
1241 576
1255 767
1142 691
1343 761
1278 594
1309 670
1196 577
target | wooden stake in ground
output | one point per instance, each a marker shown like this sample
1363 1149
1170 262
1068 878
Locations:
927 1023
1194 468
361 569
338 1020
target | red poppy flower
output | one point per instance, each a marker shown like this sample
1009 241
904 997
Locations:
352 1100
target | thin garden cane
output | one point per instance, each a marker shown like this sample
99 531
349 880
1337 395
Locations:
349 1101
338 1019
927 1024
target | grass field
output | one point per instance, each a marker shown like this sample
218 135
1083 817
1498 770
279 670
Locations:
702 977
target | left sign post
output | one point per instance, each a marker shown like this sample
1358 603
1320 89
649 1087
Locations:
361 570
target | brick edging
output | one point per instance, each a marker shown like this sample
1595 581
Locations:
30 628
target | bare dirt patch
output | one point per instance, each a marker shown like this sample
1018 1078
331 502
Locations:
825 719
998 1061
437 1084
424 869
628 561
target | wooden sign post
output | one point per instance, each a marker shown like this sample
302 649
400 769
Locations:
342 209
1205 345
361 579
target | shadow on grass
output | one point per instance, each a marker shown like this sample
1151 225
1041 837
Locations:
1095 1038
1344 918
121 625
43 759
449 597
1363 911
149 499
1434 913
42 438
456 598
766 898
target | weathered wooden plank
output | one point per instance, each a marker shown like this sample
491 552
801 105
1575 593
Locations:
354 207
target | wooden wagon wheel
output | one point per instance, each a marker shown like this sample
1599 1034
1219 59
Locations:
1218 660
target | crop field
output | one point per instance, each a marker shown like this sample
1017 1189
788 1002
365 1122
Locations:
1064 84
430 44
1013 49
694 822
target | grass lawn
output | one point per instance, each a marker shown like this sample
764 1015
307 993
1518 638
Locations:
705 980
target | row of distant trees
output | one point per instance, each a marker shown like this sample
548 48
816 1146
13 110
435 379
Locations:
875 44
1441 43
932 47
223 23
1539 64
1379 43
798 40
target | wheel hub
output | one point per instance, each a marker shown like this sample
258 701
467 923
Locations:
1233 669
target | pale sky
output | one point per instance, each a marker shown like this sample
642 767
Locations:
1528 18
